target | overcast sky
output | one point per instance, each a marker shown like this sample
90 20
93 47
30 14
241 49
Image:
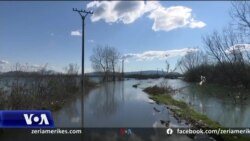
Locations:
147 33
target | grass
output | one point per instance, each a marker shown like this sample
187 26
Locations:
187 113
50 93
155 90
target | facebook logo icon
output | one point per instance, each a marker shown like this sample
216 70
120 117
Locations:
26 119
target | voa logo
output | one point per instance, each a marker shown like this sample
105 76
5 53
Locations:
37 119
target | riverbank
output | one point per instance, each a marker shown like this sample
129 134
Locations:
183 111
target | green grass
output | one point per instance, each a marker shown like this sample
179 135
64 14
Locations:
184 111
156 90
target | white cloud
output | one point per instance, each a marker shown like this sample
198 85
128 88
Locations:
196 24
76 33
91 41
116 11
3 62
149 55
35 66
151 5
165 18
4 65
238 47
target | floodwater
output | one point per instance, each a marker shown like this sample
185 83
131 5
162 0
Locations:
221 104
115 105
118 104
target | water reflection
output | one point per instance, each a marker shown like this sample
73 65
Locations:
112 105
69 115
104 101
217 103
118 104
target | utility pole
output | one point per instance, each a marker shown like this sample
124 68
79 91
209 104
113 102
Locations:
122 68
83 15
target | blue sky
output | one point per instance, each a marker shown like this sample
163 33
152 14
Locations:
40 32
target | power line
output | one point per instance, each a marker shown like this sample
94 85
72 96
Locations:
83 13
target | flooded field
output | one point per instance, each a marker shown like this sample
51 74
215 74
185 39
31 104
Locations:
119 104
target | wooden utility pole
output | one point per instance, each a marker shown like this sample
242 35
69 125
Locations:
123 68
83 15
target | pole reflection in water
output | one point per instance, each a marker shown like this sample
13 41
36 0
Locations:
120 105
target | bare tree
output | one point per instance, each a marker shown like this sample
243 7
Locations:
114 57
191 60
105 59
240 14
17 67
71 69
223 46
43 69
97 59
227 49
167 66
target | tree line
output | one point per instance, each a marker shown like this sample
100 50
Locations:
226 57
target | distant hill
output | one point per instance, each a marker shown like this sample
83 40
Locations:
23 73
147 72
94 74
154 73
